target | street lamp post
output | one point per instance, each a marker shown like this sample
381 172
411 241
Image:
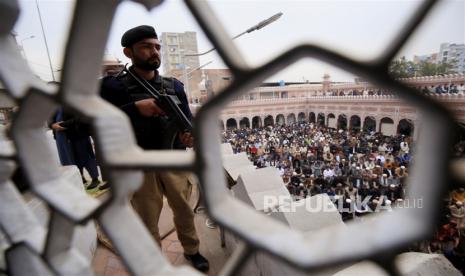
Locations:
256 27
45 40
184 72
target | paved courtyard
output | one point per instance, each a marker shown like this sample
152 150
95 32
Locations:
107 263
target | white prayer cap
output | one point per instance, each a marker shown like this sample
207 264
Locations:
388 202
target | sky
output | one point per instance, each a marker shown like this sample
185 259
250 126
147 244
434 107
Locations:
360 29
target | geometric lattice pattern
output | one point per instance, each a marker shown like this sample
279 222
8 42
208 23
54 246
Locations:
36 250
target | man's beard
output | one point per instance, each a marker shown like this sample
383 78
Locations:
145 64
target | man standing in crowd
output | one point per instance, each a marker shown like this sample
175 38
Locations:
142 46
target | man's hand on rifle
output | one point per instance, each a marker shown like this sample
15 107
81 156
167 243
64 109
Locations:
187 139
148 108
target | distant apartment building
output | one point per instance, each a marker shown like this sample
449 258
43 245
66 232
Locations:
453 53
176 48
448 52
432 58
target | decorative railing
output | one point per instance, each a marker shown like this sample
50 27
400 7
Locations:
340 99
439 79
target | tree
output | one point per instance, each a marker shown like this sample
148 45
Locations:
426 69
403 68
431 69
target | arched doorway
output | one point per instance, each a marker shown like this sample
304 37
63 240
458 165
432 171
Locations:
355 123
280 120
386 126
405 127
342 121
321 119
331 123
244 123
459 131
301 117
311 117
268 121
369 124
256 122
231 124
291 118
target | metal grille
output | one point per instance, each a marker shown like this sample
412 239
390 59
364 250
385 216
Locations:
34 250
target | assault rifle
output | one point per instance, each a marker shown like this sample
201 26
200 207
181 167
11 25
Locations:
169 103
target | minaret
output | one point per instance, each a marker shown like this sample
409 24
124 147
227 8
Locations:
203 88
326 82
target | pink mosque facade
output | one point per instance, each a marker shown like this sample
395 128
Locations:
314 102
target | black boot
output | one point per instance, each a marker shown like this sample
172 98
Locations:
93 184
198 261
104 186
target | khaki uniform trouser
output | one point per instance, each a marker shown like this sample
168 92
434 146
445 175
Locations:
148 203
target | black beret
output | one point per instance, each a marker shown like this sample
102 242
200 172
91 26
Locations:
136 34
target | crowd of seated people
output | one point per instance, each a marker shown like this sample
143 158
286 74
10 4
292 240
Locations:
351 167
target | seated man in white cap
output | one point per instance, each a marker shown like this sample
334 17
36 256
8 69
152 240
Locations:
404 148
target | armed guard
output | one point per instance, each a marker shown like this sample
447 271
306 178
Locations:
155 128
